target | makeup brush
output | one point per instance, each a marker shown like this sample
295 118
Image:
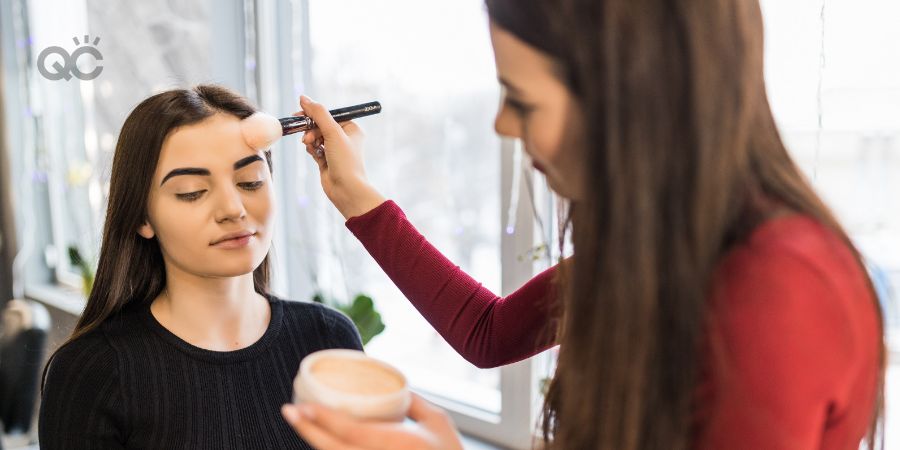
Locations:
261 130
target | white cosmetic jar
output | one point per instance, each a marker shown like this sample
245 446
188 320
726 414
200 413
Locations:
351 381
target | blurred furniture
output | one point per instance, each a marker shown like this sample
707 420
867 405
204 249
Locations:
23 340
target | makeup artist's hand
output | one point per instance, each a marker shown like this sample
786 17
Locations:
327 429
341 168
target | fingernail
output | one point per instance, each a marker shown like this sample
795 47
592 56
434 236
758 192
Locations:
305 99
290 413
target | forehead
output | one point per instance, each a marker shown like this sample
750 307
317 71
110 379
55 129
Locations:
213 143
515 58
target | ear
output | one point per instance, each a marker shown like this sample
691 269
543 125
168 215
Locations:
146 230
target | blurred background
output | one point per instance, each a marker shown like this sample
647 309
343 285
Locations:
833 71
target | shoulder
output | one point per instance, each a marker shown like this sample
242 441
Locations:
82 376
336 326
82 404
795 257
311 310
94 358
794 335
88 358
792 294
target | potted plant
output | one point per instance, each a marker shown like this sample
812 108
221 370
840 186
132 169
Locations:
84 269
361 311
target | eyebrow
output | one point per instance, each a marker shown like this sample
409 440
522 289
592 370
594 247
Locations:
205 172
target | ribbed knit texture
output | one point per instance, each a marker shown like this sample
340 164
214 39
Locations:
134 384
486 329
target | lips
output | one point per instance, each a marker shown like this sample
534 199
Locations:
236 236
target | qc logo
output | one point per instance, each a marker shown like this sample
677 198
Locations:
70 61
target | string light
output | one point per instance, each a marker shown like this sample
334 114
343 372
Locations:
819 91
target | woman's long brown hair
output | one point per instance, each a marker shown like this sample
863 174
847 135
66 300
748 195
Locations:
130 269
680 141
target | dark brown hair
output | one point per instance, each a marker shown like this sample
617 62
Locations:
682 157
131 269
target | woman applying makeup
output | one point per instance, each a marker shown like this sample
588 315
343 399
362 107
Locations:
713 301
181 344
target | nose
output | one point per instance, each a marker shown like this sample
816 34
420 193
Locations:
505 123
230 206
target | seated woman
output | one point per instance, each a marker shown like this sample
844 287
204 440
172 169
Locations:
181 345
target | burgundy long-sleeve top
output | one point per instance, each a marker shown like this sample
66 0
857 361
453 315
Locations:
794 319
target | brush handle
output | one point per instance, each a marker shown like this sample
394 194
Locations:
296 124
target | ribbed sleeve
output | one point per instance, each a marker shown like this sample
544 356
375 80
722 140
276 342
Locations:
486 329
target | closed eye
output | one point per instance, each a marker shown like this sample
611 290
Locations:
251 185
521 108
192 196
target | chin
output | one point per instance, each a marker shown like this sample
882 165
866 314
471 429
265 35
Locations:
235 265
557 189
232 270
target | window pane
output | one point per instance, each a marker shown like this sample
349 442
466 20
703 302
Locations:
432 150
855 156
146 47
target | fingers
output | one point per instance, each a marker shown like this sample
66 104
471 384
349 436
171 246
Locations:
321 116
326 428
313 434
318 157
350 430
338 424
312 136
422 411
351 128
432 418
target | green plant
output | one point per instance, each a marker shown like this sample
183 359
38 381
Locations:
533 254
84 269
361 311
544 385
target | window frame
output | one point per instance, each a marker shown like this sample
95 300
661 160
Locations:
513 426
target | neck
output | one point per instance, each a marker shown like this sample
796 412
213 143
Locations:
215 313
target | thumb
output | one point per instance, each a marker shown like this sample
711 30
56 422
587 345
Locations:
421 411
329 128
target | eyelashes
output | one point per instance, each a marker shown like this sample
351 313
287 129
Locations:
192 196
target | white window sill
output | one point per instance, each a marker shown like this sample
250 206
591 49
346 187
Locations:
470 443
63 298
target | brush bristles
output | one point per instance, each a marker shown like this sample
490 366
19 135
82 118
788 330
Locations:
260 130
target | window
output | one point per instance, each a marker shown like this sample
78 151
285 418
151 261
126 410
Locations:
432 150
833 75
71 126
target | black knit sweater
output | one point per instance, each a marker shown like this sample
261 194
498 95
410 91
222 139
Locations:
133 384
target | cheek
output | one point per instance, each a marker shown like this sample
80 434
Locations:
261 207
546 138
555 146
177 227
261 211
